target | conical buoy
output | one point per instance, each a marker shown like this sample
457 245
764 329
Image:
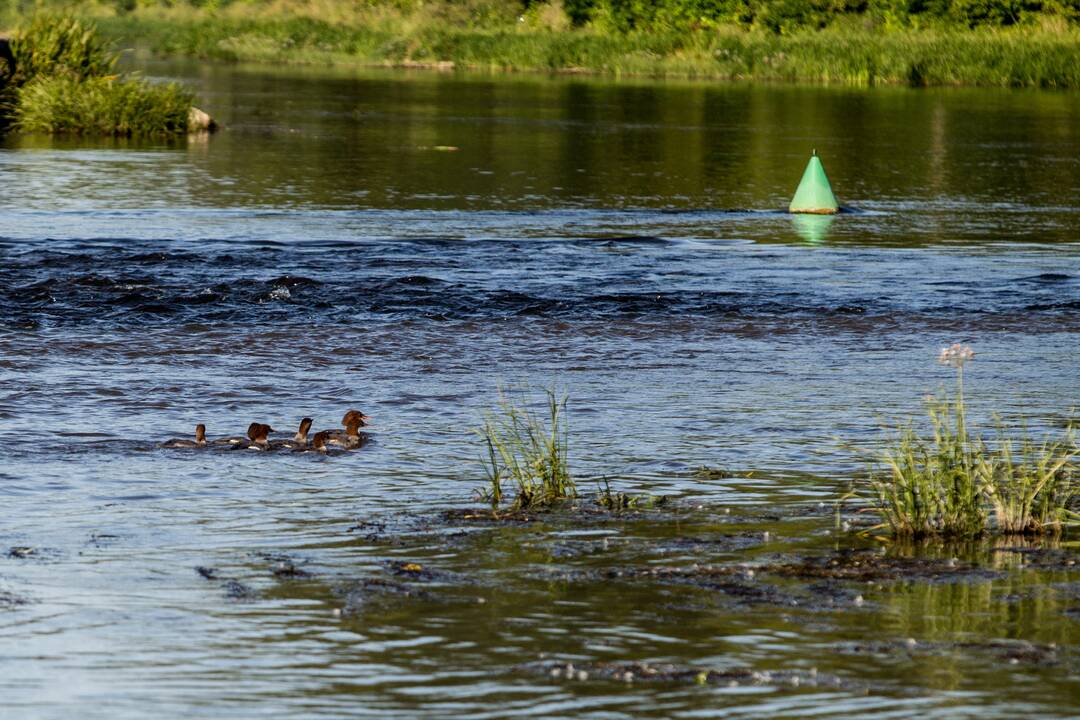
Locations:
814 194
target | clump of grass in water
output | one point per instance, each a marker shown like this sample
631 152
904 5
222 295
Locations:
528 453
1031 491
950 484
101 106
62 82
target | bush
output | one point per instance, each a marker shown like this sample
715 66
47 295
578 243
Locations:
101 106
62 82
59 46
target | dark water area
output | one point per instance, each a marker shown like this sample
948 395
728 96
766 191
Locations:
408 243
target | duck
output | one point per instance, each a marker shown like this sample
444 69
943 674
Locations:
237 441
259 442
318 444
350 438
198 442
299 441
256 438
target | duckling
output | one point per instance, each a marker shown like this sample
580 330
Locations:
259 442
198 442
318 444
256 439
237 441
298 441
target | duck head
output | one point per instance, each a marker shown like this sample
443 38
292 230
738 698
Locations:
301 434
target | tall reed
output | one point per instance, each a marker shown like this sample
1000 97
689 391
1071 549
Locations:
931 486
529 452
1032 490
59 46
953 483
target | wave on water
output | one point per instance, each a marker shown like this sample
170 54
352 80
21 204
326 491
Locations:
124 281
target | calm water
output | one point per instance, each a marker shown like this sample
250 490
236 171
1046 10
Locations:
621 241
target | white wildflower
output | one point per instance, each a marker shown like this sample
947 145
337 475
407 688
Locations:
955 355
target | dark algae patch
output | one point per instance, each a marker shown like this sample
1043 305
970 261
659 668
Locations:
232 589
872 565
693 565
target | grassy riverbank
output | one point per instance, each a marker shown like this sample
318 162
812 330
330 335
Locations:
851 48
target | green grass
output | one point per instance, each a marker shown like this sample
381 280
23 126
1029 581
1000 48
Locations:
59 46
988 42
931 487
101 106
529 454
953 484
63 83
617 502
851 55
1031 490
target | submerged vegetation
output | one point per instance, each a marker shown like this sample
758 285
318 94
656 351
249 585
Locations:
529 453
954 483
60 78
922 42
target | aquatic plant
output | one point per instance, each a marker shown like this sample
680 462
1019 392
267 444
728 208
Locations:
931 488
618 501
953 482
1031 491
54 45
102 106
528 452
60 80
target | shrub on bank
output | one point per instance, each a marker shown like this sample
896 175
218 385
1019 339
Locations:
58 78
62 46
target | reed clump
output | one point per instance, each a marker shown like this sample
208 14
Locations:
52 45
101 106
60 79
954 484
1032 489
527 455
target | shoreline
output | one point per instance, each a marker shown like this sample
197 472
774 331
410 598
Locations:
1019 57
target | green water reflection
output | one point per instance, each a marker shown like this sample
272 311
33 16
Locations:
377 140
813 229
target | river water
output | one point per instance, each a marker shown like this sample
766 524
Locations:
410 243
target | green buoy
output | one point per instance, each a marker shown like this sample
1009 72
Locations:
814 194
